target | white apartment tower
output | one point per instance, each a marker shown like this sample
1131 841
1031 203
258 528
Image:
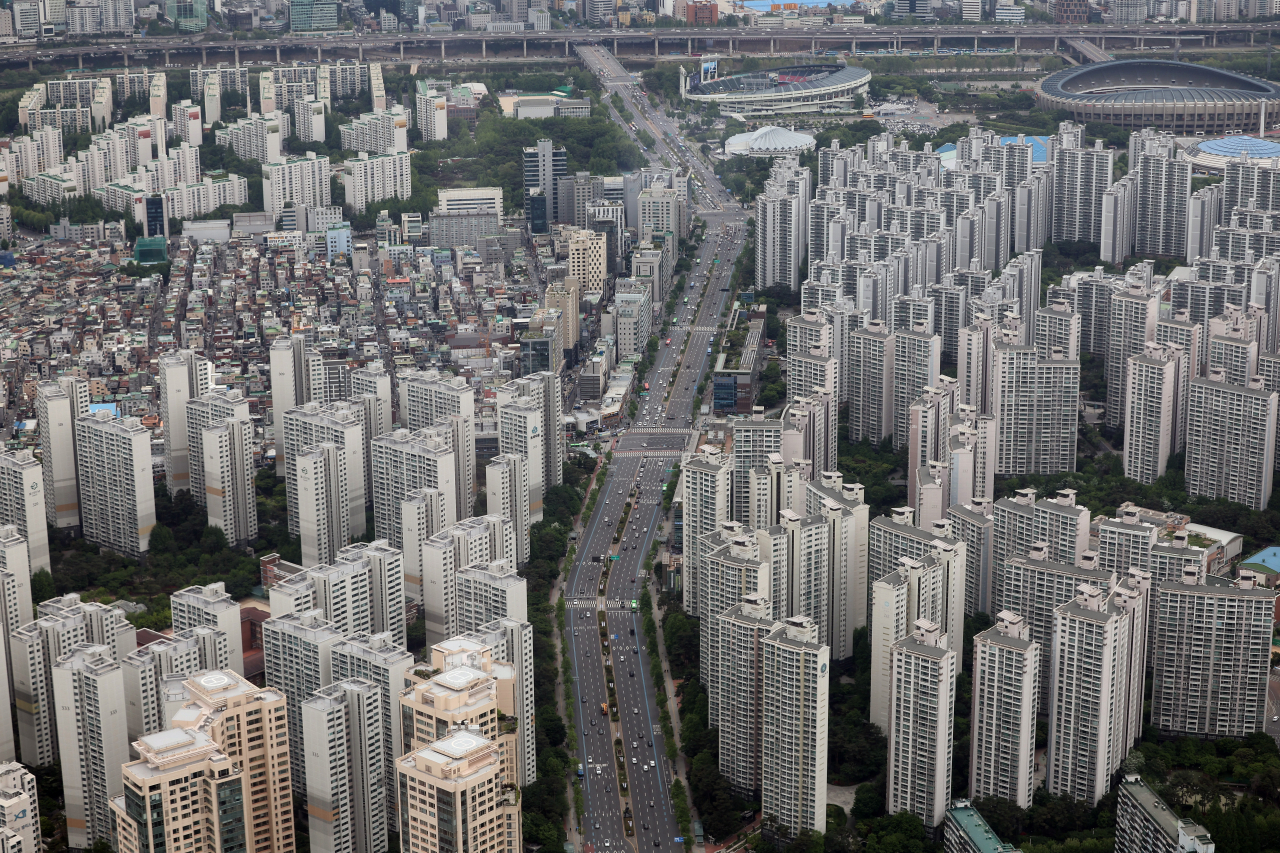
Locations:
544 390
343 734
210 606
154 674
20 806
300 180
88 693
507 495
742 631
297 653
1164 193
520 433
917 355
795 686
729 572
918 778
871 382
1210 653
1231 440
1006 700
481 540
706 479
1081 176
1155 410
374 379
183 375
843 507
117 507
1132 324
363 590
228 472
404 461
22 505
427 397
210 408
323 494
1035 404
485 593
780 240
755 440
342 425
58 404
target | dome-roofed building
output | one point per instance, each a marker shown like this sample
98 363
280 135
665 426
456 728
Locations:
1212 155
1187 99
825 88
768 142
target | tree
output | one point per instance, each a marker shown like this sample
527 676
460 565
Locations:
42 588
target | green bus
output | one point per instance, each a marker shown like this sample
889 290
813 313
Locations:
635 605
686 300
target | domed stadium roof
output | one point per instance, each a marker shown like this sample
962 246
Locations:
1234 146
768 142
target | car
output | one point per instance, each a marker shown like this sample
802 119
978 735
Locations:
597 824
633 674
650 743
636 650
584 698
656 843
645 825
593 721
651 804
633 760
634 745
646 770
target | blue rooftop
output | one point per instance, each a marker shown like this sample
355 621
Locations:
1268 558
1233 146
976 831
1039 149
950 146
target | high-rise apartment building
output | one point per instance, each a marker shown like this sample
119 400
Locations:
88 693
1035 404
918 778
154 675
58 404
486 592
426 399
1146 824
342 425
370 178
754 441
297 653
742 631
1006 700
1131 326
1210 652
871 382
19 806
117 499
373 379
362 590
544 164
1231 440
1155 409
183 376
844 509
542 389
732 569
300 180
210 606
706 481
377 659
965 831
780 239
1081 176
795 688
507 495
453 775
22 506
210 408
227 471
404 461
438 558
250 726
1095 689
1164 191
343 734
917 355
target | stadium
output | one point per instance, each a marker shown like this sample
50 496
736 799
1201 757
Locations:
792 90
1191 100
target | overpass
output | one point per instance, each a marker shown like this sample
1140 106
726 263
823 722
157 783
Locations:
1088 51
728 40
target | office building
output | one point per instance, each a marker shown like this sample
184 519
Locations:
1146 824
300 180
1210 653
228 473
507 495
88 692
342 425
183 375
454 774
1006 701
297 653
370 178
58 404
154 674
225 707
23 507
210 606
343 734
918 778
544 165
795 688
117 508
1155 410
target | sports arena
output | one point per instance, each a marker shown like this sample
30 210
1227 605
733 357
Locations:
1191 100
792 90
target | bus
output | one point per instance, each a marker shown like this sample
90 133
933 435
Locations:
604 709
686 300
579 771
635 605
646 386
